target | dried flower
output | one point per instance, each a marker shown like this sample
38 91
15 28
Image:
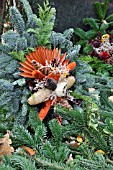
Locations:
105 38
50 73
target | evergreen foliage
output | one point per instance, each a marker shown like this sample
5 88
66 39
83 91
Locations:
98 66
45 24
55 146
27 8
17 20
99 26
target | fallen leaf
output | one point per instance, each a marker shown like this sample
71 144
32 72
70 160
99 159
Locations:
5 148
74 144
70 158
100 151
29 150
79 139
110 98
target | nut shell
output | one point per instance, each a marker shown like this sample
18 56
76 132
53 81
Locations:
70 81
39 96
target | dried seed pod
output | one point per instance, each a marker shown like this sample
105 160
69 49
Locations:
70 81
39 96
61 89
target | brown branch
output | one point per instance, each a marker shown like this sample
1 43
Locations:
3 12
3 8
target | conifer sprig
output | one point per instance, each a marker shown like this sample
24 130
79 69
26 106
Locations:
45 24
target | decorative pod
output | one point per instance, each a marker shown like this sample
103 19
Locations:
70 81
39 96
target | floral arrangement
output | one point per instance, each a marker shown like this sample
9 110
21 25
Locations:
38 68
51 80
103 48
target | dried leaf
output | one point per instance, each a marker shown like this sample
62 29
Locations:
110 98
29 150
100 151
70 158
73 144
79 139
5 148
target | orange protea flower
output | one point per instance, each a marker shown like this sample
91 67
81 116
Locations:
50 70
44 62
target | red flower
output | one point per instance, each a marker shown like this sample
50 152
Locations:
104 55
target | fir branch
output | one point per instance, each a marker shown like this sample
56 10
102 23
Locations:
61 41
109 18
72 53
91 164
68 33
92 23
17 20
104 26
105 7
109 127
85 151
3 167
98 9
32 117
23 162
5 98
6 85
47 163
40 134
80 33
57 153
9 38
91 34
22 135
27 8
56 132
